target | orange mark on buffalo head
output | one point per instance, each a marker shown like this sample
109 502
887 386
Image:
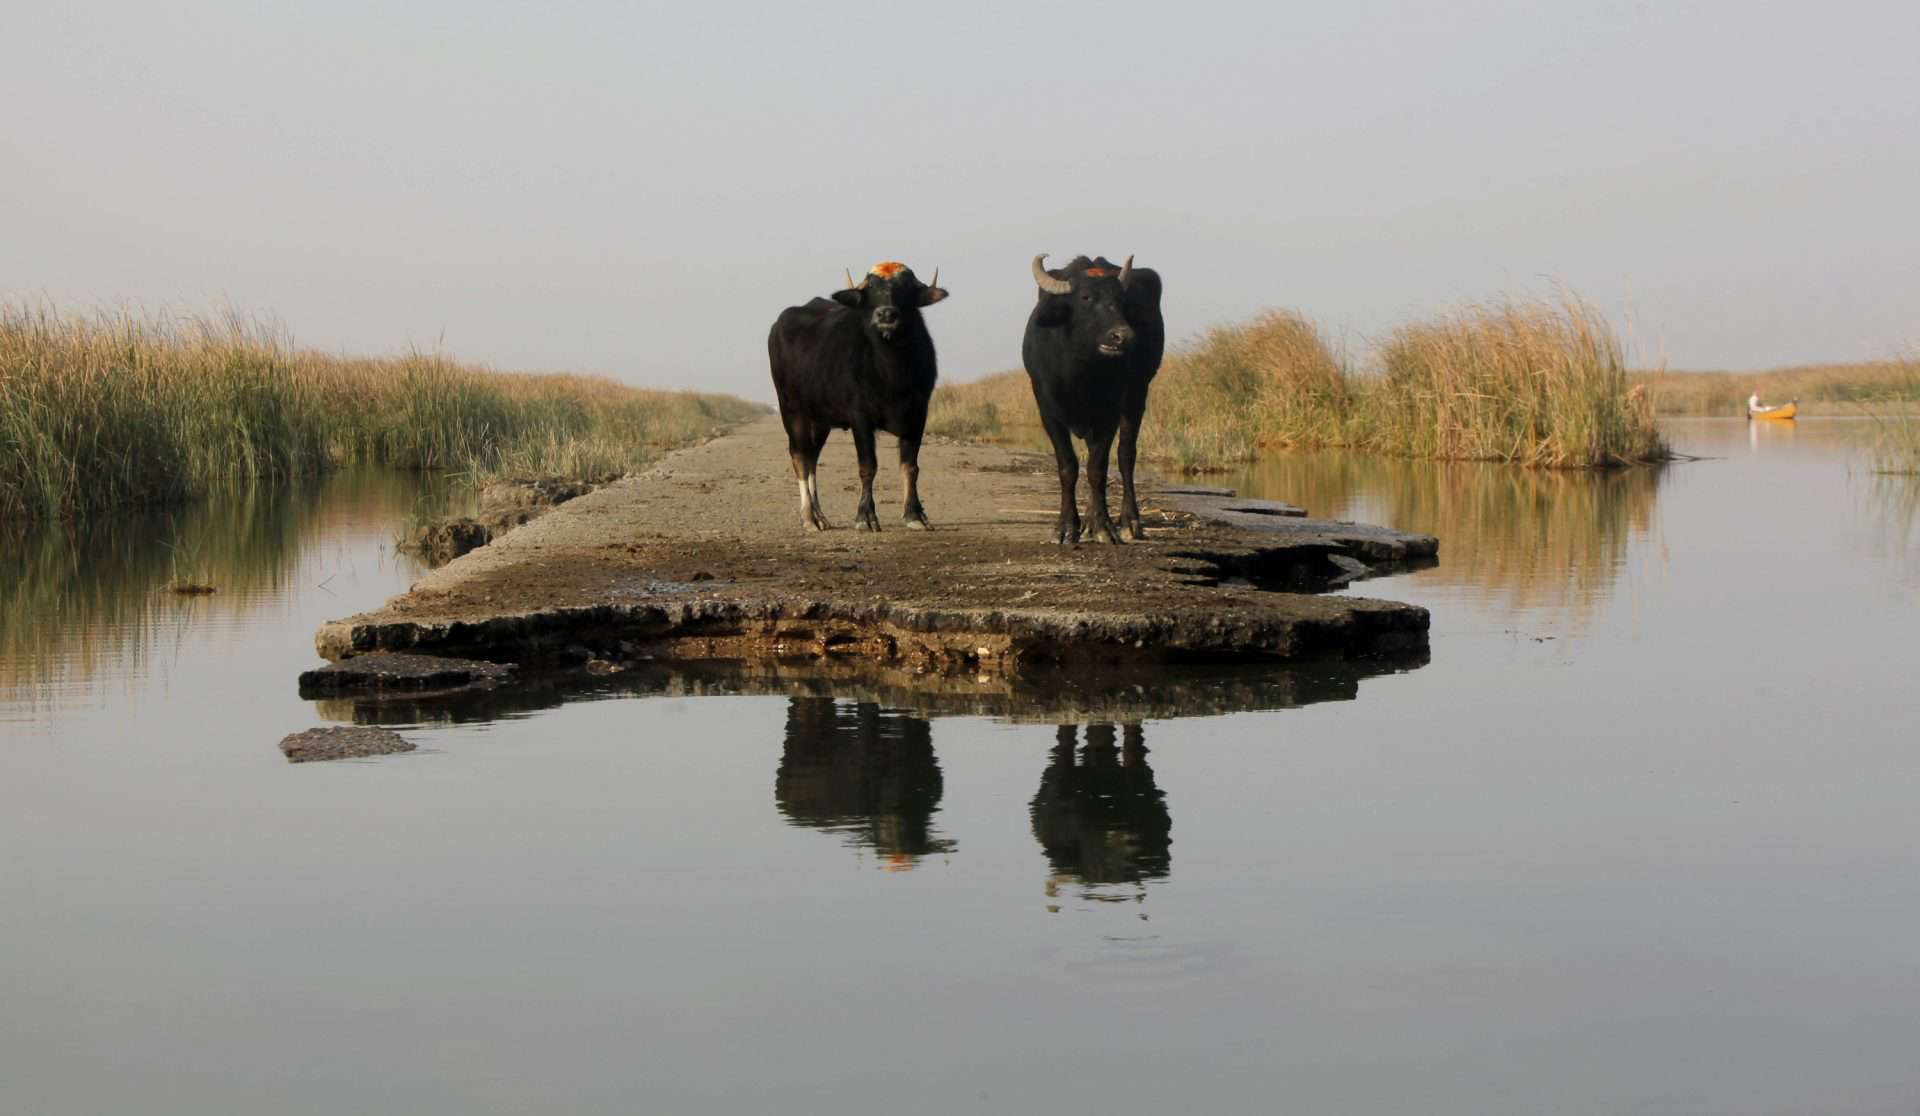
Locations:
887 269
1097 272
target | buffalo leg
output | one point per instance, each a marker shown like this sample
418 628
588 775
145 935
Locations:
913 514
864 518
1129 439
802 468
1066 529
804 447
1099 524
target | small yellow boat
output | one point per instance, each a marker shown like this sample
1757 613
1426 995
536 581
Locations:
1783 411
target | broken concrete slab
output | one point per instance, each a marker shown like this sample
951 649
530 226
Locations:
703 557
1361 541
389 672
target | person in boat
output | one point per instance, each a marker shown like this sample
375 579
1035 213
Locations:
1753 403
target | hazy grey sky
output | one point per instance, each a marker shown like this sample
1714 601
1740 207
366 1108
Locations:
639 190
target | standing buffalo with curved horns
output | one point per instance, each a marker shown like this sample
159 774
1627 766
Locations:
1093 344
861 361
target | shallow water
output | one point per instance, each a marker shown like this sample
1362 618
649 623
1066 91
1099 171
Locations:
1639 837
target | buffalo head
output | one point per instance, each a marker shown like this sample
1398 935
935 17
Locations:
890 293
1091 302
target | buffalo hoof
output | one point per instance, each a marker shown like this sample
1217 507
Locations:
1101 531
915 522
812 525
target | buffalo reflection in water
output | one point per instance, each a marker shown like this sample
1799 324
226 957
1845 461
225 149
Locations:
1098 814
864 773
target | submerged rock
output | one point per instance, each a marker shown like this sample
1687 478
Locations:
342 743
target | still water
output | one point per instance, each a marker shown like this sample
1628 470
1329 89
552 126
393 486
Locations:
1640 837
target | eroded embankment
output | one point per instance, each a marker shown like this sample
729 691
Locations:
703 557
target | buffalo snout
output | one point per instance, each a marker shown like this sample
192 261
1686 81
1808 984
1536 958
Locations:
1116 341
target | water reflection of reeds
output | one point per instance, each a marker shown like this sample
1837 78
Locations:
1529 537
89 600
1895 512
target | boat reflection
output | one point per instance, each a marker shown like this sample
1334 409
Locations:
864 773
1763 432
1100 817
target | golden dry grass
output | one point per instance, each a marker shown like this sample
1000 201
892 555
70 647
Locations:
1528 382
1829 389
1535 383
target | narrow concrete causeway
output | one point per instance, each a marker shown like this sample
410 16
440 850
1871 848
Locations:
703 557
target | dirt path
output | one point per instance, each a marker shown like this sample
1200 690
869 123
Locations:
704 556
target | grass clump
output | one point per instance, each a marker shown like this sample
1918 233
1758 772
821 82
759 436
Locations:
122 410
1531 383
984 410
1273 381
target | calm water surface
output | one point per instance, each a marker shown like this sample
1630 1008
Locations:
1640 837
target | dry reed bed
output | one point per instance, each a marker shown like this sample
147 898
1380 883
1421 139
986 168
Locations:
1527 382
120 410
1860 388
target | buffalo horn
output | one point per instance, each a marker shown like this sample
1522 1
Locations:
1126 271
1047 282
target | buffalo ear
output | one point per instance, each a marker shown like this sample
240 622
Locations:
931 295
1055 311
847 297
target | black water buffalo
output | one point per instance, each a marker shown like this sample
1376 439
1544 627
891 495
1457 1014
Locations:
862 361
1099 814
864 773
1093 344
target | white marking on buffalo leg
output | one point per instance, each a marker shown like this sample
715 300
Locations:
811 495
